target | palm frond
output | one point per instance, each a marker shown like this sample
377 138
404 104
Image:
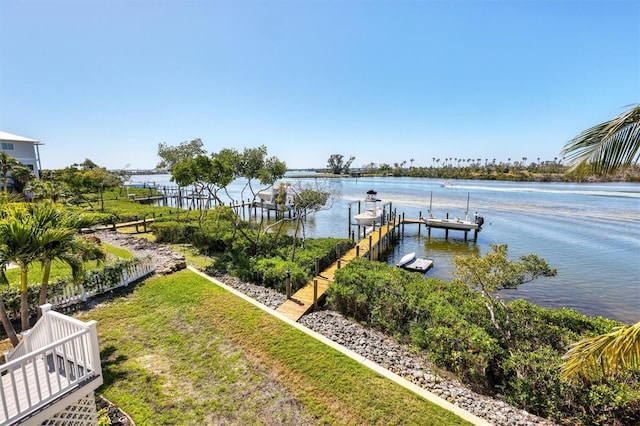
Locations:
607 146
603 355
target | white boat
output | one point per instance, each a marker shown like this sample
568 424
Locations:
456 223
411 262
406 259
465 224
269 198
372 212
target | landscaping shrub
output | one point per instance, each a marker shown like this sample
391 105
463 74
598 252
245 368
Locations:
173 232
450 323
272 273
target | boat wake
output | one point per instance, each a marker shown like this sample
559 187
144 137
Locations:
596 193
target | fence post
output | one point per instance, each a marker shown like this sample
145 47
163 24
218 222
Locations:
315 293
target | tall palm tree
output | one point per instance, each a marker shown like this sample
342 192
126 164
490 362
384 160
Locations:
607 146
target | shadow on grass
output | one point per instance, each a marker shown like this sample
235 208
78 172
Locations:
110 363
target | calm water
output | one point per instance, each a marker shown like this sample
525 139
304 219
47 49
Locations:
589 232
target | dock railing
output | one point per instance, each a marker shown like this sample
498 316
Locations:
58 358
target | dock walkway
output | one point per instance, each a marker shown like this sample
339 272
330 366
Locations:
307 297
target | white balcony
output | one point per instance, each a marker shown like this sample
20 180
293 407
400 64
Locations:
56 364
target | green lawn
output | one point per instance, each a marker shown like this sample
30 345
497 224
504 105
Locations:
179 350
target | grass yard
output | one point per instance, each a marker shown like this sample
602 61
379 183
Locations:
181 351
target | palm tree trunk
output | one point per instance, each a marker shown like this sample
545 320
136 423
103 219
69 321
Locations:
6 323
44 286
24 301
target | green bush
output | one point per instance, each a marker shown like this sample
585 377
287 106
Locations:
173 232
451 324
272 273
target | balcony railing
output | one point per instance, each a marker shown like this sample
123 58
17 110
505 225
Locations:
56 363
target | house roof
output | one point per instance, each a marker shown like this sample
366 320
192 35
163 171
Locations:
6 136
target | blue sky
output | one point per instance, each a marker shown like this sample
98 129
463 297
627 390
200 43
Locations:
384 81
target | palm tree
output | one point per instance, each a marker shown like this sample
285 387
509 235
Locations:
6 199
60 241
607 146
40 232
18 244
603 355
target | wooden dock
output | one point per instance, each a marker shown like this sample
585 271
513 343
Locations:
308 296
371 246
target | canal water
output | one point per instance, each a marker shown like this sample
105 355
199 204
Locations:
589 232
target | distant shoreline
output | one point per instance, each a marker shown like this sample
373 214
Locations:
631 175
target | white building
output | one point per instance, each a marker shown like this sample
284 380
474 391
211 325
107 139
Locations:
23 149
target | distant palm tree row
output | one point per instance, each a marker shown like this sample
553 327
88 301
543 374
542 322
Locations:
555 170
490 169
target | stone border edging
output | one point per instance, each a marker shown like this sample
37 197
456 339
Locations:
464 414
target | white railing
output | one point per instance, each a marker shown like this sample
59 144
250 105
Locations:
57 356
76 293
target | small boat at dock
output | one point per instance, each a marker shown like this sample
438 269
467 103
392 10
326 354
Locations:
413 263
269 198
456 223
465 224
372 211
